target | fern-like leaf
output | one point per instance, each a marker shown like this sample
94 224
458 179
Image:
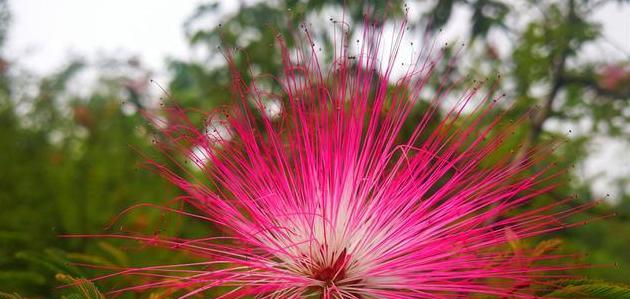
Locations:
591 289
86 288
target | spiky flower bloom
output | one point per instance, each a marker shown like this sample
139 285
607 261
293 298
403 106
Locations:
329 198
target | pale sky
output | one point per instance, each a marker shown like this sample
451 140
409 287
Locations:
45 32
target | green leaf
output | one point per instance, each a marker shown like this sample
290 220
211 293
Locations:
53 260
591 289
15 277
87 289
441 13
118 255
546 246
10 296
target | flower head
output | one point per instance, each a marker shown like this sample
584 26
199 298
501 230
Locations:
349 192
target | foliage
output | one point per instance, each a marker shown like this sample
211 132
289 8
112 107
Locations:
86 289
585 288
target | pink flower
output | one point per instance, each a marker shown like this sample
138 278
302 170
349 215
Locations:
329 200
612 77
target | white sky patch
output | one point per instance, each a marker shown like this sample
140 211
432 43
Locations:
273 108
45 33
199 156
218 130
608 178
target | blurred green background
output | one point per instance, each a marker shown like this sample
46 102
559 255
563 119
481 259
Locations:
69 159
